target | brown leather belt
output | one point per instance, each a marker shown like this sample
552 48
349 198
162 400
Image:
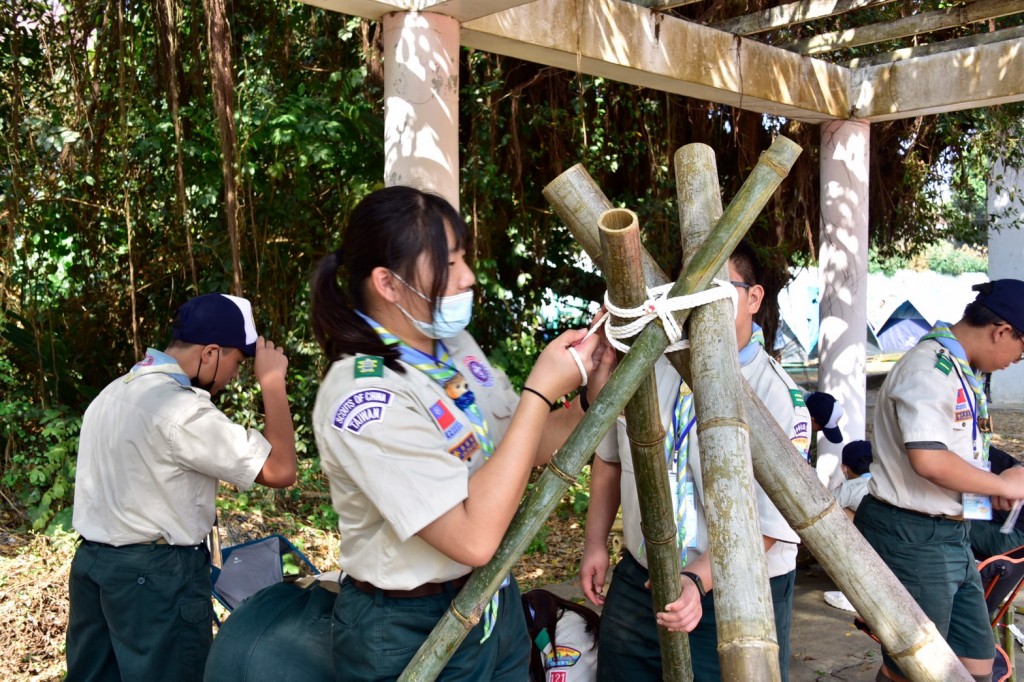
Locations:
424 590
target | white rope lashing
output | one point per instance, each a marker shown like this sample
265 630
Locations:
657 306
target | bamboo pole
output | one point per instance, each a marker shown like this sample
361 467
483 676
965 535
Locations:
561 472
747 642
620 249
810 510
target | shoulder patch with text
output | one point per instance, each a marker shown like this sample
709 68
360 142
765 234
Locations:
360 408
369 366
466 448
479 370
962 411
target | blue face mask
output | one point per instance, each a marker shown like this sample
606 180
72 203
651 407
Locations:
452 315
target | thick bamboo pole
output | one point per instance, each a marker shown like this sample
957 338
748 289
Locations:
561 472
747 643
810 510
620 250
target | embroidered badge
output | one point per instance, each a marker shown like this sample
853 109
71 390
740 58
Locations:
466 448
558 676
445 419
944 364
479 371
563 657
369 366
797 396
962 411
361 408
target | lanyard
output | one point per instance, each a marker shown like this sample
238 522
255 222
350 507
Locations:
971 405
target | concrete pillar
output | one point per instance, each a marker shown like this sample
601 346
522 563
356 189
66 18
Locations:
1006 260
843 271
421 102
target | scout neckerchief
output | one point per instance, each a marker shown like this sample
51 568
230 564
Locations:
677 452
156 362
440 369
756 342
979 408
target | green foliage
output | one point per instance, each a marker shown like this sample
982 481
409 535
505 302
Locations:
887 263
946 259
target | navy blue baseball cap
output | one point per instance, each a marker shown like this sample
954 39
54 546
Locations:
857 456
1005 298
826 412
217 318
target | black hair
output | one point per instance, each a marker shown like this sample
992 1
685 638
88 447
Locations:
976 314
543 609
744 259
390 228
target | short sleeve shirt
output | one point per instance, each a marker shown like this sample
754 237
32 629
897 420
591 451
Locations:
398 454
774 387
923 399
151 453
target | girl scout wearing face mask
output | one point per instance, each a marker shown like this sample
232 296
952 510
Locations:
427 447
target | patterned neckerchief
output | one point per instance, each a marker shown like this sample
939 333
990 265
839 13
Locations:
440 369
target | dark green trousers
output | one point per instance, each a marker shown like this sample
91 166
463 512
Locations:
375 637
140 612
630 650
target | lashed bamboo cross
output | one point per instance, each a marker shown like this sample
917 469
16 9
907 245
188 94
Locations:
907 634
466 609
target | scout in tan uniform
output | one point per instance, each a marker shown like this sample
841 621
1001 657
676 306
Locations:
427 448
152 450
632 651
930 470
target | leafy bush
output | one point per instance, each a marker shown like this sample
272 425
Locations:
946 259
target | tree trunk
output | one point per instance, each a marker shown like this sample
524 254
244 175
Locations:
218 41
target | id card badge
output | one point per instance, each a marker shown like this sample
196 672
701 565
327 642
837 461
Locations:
690 540
978 507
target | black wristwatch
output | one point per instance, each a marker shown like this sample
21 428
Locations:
696 581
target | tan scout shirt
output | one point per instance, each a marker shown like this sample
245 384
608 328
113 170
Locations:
398 454
151 452
920 402
773 387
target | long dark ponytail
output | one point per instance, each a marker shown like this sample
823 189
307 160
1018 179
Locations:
390 228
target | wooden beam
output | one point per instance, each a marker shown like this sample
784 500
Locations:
967 42
792 13
961 15
662 5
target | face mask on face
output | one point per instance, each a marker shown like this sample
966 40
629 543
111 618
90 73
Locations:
451 317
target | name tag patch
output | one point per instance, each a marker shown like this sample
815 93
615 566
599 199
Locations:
361 408
479 371
445 419
466 448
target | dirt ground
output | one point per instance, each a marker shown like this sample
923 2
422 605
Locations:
34 571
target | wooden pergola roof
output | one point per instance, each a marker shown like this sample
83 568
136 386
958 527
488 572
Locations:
968 56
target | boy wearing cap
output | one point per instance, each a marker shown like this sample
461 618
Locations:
856 465
931 469
825 414
152 449
633 652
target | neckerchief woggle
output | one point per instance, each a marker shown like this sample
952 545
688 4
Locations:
440 369
979 408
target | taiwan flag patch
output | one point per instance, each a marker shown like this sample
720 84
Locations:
445 419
